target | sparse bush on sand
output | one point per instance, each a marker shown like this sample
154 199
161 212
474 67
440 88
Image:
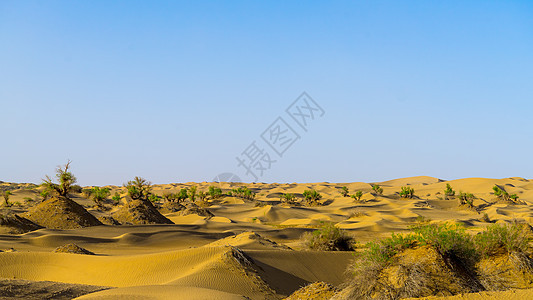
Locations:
344 191
243 193
509 237
329 238
407 192
182 195
214 192
116 197
378 190
503 195
6 195
288 198
466 199
192 193
357 196
139 188
449 192
311 197
66 181
98 195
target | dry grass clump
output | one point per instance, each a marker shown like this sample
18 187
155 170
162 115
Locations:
329 238
442 259
314 291
72 248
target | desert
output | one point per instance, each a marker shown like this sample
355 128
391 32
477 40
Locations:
229 240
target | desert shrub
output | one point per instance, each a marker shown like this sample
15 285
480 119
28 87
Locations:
192 192
288 198
496 237
382 251
66 181
6 195
329 238
378 190
116 197
344 191
503 195
407 192
139 188
357 196
182 195
449 192
214 192
169 197
99 194
466 199
243 193
449 240
202 195
485 218
312 195
153 198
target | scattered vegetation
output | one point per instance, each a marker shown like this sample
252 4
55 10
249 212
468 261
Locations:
329 238
202 195
357 196
243 193
139 189
407 192
378 190
508 237
66 181
344 191
170 197
182 195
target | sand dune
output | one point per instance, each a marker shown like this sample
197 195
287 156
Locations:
248 248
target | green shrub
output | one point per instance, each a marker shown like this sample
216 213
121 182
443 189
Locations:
344 191
192 193
153 198
139 188
329 238
170 197
449 192
288 198
66 181
6 195
508 237
243 193
357 196
382 251
503 195
182 195
116 197
214 192
202 195
87 193
99 194
378 190
407 192
312 196
449 240
466 199
44 194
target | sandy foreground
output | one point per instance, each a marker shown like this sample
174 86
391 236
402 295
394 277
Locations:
247 250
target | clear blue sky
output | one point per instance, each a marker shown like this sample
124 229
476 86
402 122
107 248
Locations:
175 91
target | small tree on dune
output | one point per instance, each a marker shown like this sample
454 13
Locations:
192 193
449 192
377 189
99 195
357 196
66 181
6 195
407 192
139 188
344 191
